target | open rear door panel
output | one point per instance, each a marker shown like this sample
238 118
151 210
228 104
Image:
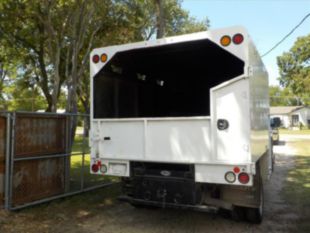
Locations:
230 121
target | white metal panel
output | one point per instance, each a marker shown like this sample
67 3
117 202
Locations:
213 35
113 167
176 140
179 140
126 139
259 105
211 173
231 102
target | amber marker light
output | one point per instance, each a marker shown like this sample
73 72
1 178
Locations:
104 57
225 40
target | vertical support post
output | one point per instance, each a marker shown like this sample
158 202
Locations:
145 137
83 153
7 173
67 158
11 162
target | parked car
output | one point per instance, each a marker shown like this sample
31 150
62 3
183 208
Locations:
275 123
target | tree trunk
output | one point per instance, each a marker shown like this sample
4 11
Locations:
160 18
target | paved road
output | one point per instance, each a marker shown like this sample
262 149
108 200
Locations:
289 137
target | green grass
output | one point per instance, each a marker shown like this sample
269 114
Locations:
302 147
296 132
80 144
297 185
77 170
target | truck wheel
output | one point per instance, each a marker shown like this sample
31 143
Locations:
238 213
255 215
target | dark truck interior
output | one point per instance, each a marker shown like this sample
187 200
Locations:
163 81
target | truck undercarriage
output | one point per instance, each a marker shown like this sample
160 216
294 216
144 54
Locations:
173 186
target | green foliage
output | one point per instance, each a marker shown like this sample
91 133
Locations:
294 69
178 21
45 44
282 97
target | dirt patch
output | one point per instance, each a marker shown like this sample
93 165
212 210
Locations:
99 211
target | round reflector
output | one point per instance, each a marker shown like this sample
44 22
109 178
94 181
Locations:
104 57
96 58
236 169
238 38
243 178
230 177
95 167
225 40
103 168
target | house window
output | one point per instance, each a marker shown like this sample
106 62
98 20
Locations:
295 120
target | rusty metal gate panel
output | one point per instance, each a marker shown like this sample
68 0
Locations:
37 179
39 134
2 157
35 158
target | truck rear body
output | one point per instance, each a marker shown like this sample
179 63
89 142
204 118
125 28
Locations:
181 109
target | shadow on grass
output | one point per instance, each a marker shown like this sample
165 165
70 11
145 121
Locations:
297 190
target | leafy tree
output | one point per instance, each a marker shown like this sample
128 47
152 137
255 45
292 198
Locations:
282 97
294 69
3 79
50 40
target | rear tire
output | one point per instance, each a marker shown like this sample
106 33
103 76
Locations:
238 213
255 215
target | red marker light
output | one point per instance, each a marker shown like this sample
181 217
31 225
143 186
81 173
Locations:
96 58
236 169
95 168
243 178
238 38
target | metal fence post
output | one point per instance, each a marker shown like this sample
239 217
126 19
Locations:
11 162
83 153
7 161
67 158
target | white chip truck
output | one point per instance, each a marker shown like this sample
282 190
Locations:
184 121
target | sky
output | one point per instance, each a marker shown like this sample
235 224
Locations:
267 22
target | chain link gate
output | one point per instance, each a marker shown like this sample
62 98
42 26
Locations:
44 159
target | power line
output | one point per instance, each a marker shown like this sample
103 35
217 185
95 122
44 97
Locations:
284 38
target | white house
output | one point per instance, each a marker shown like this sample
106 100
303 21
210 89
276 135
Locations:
292 116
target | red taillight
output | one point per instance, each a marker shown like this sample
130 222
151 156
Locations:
243 178
95 167
236 170
238 38
96 58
